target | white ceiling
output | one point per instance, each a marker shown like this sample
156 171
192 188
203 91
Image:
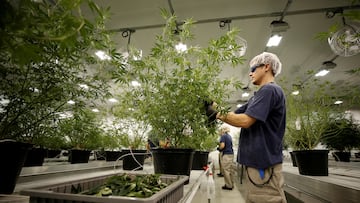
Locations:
299 51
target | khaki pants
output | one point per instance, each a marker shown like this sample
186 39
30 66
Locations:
227 161
269 189
220 165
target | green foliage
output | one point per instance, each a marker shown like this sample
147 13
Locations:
139 186
47 48
131 134
205 142
48 137
175 84
329 33
83 130
342 134
110 140
310 112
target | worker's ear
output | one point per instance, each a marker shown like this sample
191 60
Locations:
267 67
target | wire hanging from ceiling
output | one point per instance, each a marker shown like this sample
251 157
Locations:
127 34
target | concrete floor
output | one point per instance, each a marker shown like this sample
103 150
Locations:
222 196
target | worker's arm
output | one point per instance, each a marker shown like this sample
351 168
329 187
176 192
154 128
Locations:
221 146
238 120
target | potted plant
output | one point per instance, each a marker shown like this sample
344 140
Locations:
342 135
48 144
308 116
203 145
83 132
132 136
174 83
110 146
46 49
49 139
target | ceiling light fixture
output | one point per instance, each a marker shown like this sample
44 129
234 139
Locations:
245 94
180 47
71 102
326 66
329 65
84 86
338 102
135 83
113 100
34 89
65 115
322 73
102 55
277 28
95 110
4 101
274 40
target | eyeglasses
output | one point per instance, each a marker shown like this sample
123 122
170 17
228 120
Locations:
253 68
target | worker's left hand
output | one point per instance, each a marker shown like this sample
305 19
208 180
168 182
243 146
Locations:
211 112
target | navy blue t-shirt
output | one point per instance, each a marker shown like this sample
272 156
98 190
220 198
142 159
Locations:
227 140
260 145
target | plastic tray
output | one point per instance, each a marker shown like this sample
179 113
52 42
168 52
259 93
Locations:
61 193
13 199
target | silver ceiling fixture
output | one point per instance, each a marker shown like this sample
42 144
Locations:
346 41
239 40
278 27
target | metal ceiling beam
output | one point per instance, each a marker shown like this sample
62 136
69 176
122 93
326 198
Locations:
245 17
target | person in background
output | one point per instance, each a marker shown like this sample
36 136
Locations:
150 144
262 121
227 157
165 143
221 169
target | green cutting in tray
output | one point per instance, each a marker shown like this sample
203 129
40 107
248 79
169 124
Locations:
141 186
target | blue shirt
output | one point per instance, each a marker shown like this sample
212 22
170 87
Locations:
227 140
260 145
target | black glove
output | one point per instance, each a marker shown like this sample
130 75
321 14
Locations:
210 112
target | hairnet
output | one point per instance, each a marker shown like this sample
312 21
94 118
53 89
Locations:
268 58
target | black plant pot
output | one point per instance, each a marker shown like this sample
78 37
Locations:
79 156
357 155
200 160
99 155
53 153
312 162
342 156
134 159
112 155
293 159
35 157
12 157
173 161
